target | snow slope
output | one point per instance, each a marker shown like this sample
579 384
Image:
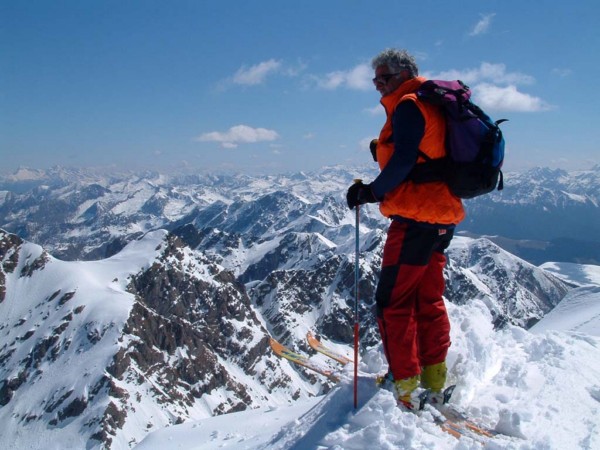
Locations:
542 390
96 306
579 311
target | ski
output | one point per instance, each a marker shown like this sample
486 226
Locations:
446 416
319 347
459 425
458 429
453 414
284 352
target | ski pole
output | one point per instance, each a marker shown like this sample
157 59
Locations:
356 296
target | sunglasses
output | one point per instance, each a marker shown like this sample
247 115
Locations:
383 79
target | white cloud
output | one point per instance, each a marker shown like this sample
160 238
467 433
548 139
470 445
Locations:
507 98
483 25
562 72
358 77
256 74
495 73
495 88
239 134
292 70
377 110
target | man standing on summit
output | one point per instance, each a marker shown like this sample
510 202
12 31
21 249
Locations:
411 314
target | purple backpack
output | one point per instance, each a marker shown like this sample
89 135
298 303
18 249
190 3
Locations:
474 143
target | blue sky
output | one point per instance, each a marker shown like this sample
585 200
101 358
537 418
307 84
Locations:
272 86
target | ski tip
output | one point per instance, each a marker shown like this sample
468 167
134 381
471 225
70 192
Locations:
317 345
275 345
312 340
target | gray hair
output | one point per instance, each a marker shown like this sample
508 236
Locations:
396 60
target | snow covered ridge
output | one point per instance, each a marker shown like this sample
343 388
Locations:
173 327
579 311
541 391
514 290
85 214
104 352
99 353
61 325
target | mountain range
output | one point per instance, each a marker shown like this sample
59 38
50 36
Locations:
541 215
133 302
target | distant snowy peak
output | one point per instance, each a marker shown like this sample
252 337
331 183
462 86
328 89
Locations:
514 290
81 214
552 185
25 174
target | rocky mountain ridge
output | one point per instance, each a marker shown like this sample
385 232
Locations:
541 215
160 333
156 334
191 276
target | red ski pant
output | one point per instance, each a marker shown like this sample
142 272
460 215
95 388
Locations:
411 314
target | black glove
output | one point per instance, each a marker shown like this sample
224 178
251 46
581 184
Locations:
359 194
373 148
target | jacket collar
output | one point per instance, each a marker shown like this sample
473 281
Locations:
390 101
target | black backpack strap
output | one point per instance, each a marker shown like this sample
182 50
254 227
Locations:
424 155
432 169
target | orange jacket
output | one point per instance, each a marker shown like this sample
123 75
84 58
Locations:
426 202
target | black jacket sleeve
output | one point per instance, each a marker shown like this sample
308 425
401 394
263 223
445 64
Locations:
408 126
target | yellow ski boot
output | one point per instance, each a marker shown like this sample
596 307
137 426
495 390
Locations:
433 379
